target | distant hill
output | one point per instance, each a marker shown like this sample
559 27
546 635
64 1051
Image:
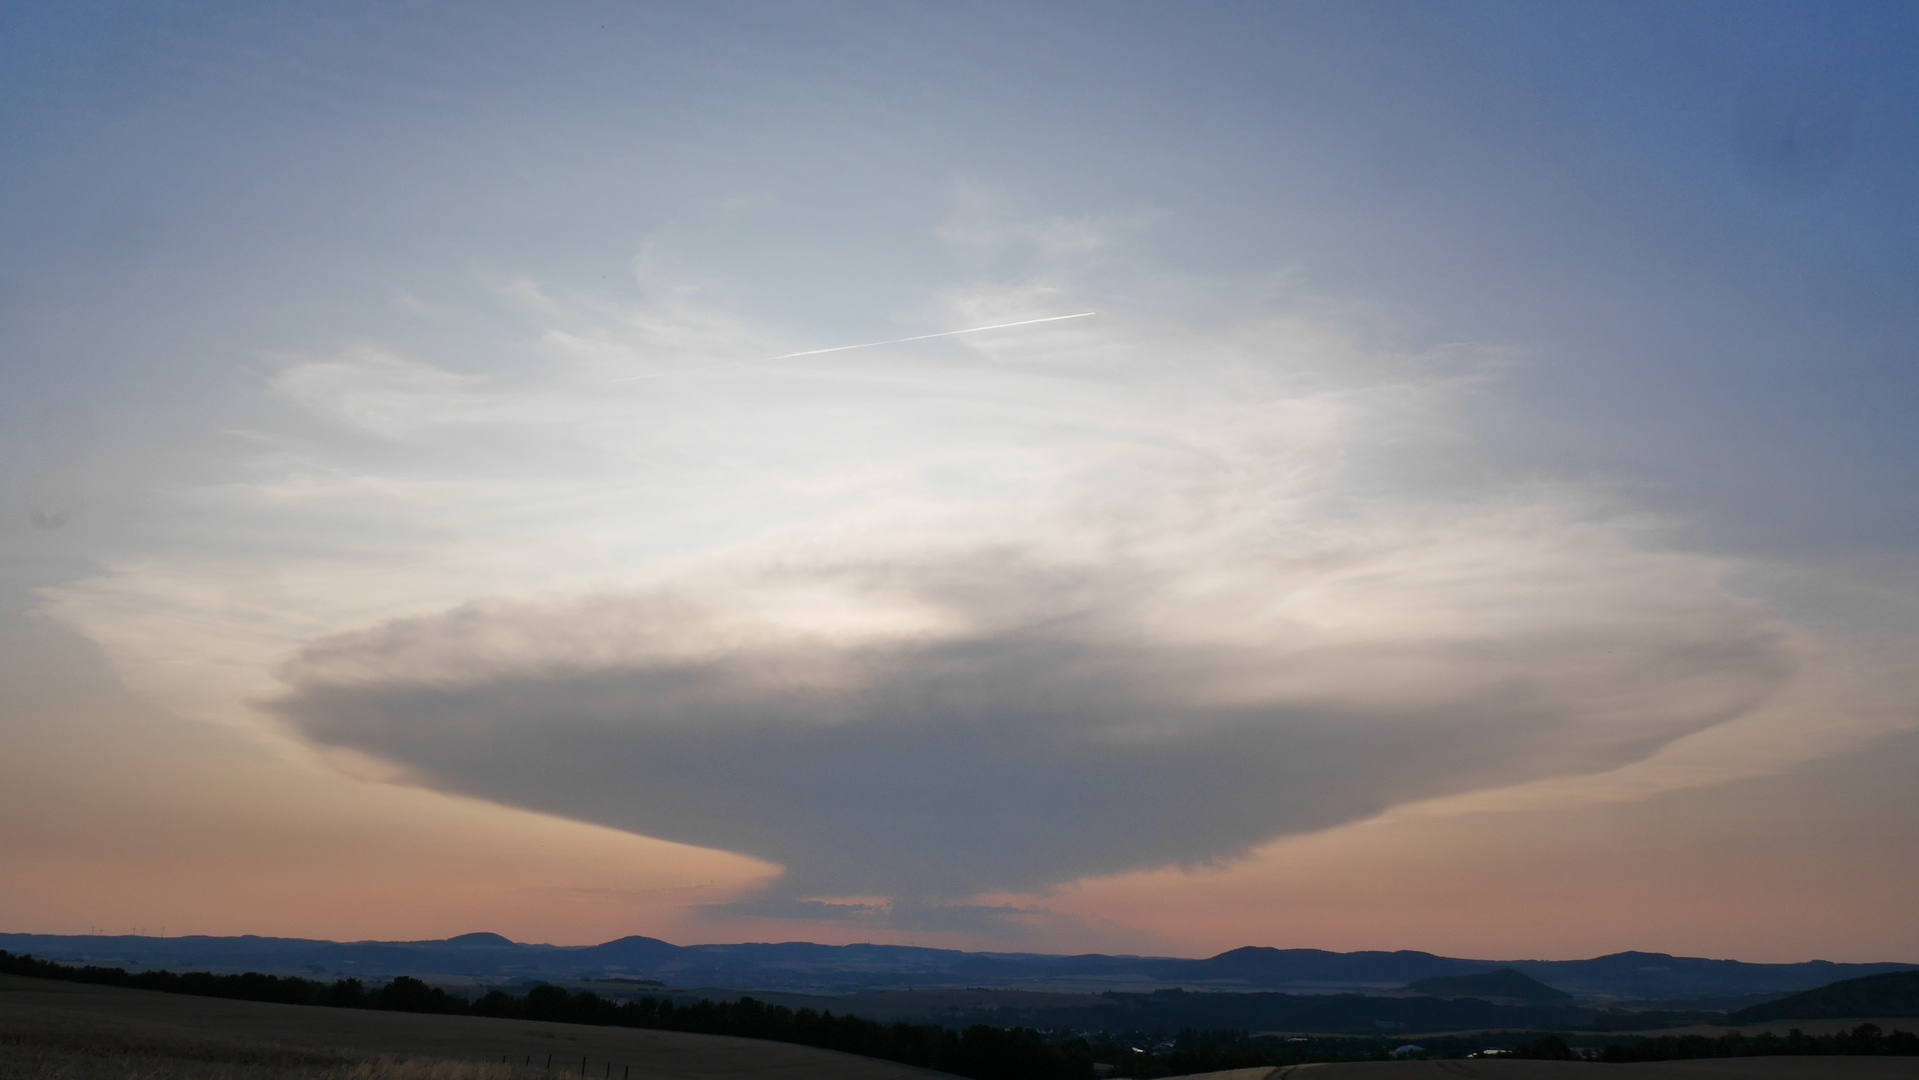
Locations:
481 939
1644 976
1265 967
1502 985
807 968
1892 994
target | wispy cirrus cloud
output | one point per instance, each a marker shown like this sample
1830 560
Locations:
974 615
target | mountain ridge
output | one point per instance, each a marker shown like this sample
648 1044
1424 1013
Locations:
837 969
1503 985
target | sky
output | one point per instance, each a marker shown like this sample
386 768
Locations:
1471 506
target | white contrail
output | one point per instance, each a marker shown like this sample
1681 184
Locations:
943 333
864 345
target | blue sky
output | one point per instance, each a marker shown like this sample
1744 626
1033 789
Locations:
1489 407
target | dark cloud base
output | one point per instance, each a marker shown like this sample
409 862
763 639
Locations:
935 771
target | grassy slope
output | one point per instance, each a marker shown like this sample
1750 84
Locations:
55 1015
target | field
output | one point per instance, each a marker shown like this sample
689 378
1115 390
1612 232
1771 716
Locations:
69 1031
76 1032
1776 1068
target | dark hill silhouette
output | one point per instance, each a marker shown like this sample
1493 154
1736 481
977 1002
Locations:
1502 985
1652 976
1262 966
632 952
804 967
1895 993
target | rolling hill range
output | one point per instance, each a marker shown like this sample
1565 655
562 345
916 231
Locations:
843 969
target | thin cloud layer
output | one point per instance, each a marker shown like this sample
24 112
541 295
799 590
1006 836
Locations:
977 615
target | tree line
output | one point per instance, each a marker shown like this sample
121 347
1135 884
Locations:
981 1051
1864 1039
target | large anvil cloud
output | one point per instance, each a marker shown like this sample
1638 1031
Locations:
931 730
